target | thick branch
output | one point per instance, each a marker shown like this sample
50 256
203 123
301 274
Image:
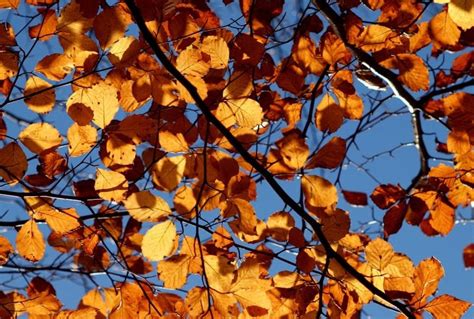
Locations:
149 38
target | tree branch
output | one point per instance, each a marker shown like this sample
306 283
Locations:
331 253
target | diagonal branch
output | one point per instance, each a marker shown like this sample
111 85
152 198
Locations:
331 253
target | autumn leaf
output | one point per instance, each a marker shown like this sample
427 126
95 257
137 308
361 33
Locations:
446 306
30 242
81 139
146 207
39 137
159 241
110 185
319 192
13 163
42 94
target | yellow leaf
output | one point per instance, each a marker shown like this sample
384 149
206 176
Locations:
444 30
217 50
240 85
100 98
319 192
55 66
447 307
190 63
42 305
427 275
462 13
197 301
146 207
13 163
62 220
110 185
39 137
124 50
219 272
247 112
173 142
30 242
174 271
40 102
81 139
159 241
119 151
279 225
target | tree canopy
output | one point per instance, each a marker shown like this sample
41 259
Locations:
146 143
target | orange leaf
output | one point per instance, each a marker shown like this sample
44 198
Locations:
13 163
444 30
329 115
81 139
47 28
293 149
55 66
5 250
330 155
42 102
355 198
447 307
386 195
427 276
319 192
30 242
413 71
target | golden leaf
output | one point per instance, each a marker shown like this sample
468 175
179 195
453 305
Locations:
30 242
110 185
61 220
38 137
217 50
159 241
42 102
146 207
55 66
444 30
81 139
319 192
101 98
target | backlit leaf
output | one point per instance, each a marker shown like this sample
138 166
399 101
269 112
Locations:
39 137
146 207
110 185
30 242
42 95
13 163
159 241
